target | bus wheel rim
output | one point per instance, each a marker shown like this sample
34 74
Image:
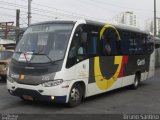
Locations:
75 94
136 82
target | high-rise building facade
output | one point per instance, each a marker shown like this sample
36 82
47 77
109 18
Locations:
150 26
127 18
158 26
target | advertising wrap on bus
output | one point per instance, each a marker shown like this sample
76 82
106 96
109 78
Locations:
67 61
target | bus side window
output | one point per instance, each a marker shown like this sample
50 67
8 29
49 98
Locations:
82 50
140 44
73 49
132 43
106 41
78 47
84 44
92 46
127 42
149 44
110 43
122 42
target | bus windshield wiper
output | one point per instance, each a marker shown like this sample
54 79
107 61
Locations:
50 59
44 55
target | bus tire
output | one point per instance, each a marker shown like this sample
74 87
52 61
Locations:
136 81
75 95
24 99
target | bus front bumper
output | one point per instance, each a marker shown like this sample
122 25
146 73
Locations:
56 94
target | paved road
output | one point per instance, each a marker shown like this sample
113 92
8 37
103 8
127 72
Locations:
146 99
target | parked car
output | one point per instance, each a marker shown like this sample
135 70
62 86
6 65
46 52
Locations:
5 57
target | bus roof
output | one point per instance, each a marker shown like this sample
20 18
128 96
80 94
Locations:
55 21
119 26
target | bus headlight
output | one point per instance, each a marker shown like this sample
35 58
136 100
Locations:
10 79
52 83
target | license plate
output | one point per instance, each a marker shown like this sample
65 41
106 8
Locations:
26 97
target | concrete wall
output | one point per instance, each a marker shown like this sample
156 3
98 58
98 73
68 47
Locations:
157 57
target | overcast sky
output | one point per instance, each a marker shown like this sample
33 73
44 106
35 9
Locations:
101 10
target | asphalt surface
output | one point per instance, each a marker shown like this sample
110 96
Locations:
146 99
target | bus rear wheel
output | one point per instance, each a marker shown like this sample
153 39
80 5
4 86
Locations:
136 82
75 95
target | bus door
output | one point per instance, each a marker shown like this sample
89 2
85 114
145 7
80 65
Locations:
78 61
87 48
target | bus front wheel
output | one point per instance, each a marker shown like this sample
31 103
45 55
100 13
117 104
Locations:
75 95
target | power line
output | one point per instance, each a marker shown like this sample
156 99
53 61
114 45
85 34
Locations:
11 9
24 20
73 14
42 15
8 15
119 6
38 10
22 6
56 12
95 5
32 13
13 5
99 6
35 9
38 14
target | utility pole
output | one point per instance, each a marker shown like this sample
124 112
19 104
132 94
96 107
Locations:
17 23
17 17
155 22
29 12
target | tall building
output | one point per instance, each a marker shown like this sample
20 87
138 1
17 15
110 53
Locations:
158 26
150 26
127 18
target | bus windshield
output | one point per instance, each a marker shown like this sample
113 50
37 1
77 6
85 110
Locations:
44 40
